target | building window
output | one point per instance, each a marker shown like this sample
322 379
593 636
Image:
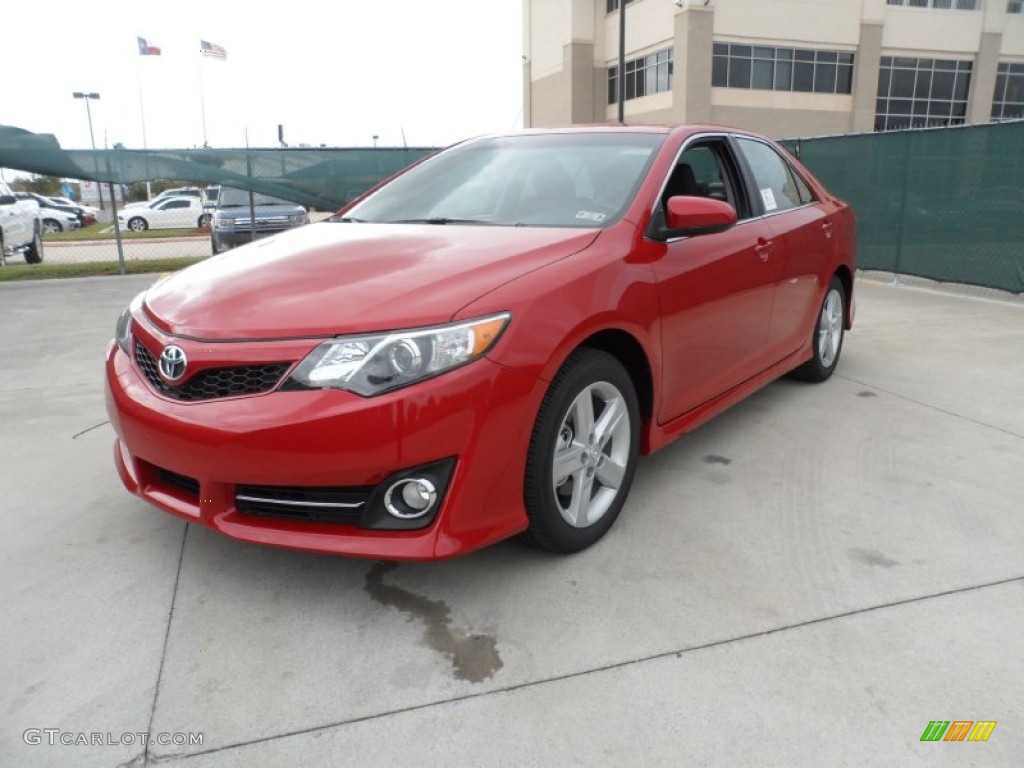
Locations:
644 75
921 93
1008 99
613 5
781 69
1015 6
960 5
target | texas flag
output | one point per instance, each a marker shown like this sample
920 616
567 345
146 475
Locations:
145 49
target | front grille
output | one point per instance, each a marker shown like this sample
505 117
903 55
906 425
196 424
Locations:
312 504
213 383
182 482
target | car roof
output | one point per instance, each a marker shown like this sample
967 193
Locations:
685 129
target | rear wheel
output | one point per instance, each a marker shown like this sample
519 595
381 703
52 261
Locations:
204 220
582 454
51 226
34 253
827 336
137 224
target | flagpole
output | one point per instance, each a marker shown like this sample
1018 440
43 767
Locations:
202 98
142 115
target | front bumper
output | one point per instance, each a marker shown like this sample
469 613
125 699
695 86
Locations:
480 415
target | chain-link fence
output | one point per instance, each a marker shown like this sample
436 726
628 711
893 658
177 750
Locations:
945 204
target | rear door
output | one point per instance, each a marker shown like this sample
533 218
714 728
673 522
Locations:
800 224
715 290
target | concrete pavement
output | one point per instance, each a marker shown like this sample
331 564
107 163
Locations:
806 581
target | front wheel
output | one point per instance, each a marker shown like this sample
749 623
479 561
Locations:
34 253
827 336
583 453
137 224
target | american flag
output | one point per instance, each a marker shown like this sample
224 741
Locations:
212 50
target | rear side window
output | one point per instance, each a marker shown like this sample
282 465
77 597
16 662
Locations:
778 187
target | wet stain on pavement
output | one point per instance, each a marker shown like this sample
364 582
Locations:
867 393
474 657
713 459
871 557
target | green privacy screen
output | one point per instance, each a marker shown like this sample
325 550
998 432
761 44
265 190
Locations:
323 178
946 204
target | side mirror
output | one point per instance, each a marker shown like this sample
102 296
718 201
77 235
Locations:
8 199
697 216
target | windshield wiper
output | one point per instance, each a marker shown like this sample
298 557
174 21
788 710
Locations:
441 220
347 219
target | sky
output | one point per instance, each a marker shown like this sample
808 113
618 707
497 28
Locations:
334 73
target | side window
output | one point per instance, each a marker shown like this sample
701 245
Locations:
176 204
806 196
707 169
773 177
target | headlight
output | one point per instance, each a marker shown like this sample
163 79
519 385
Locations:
123 329
223 222
298 220
370 365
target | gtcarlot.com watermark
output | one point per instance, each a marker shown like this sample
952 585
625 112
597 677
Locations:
54 736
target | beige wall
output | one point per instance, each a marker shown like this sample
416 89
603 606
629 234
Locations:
782 124
866 64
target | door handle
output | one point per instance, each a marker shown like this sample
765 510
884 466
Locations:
827 229
764 248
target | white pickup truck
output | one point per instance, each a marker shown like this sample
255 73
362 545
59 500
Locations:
20 228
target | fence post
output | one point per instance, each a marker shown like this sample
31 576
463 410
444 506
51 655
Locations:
903 205
117 228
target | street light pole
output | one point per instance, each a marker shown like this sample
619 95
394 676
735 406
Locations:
89 96
622 62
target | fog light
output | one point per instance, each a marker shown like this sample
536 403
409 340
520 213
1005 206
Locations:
410 498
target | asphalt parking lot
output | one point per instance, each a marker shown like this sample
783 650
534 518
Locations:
809 580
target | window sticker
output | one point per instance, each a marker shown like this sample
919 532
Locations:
589 215
769 199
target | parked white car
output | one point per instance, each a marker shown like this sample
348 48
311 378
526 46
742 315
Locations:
169 213
55 220
168 193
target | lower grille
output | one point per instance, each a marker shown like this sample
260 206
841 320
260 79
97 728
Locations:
312 504
213 383
182 482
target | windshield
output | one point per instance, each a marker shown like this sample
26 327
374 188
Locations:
231 197
546 180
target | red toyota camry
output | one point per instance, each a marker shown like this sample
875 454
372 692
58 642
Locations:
483 345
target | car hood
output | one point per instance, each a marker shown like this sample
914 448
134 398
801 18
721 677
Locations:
335 278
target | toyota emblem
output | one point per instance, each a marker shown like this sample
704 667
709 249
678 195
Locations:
172 363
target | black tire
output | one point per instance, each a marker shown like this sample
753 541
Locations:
548 506
826 336
215 246
34 253
52 226
137 224
204 221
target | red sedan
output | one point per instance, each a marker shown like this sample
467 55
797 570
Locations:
483 345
